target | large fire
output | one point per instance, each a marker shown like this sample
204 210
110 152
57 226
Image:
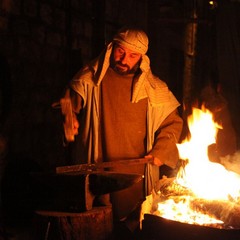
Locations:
206 179
204 192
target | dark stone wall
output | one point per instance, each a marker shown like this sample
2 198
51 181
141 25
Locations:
33 43
167 28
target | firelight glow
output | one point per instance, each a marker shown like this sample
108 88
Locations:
206 179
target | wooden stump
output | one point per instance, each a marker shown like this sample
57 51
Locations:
95 224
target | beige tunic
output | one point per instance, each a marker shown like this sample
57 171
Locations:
124 136
161 115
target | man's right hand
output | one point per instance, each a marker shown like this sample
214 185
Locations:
71 123
75 124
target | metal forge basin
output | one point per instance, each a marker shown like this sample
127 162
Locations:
76 191
155 228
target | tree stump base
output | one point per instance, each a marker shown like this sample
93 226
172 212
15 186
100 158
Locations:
95 224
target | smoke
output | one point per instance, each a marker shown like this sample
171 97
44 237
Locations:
232 162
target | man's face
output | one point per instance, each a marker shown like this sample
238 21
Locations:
125 61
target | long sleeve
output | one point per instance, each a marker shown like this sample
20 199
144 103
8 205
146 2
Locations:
166 138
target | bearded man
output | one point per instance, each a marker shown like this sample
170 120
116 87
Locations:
123 111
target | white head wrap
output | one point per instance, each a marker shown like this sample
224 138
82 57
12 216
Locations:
133 39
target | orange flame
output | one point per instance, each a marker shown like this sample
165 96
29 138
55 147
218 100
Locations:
205 179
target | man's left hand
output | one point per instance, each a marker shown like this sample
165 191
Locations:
156 161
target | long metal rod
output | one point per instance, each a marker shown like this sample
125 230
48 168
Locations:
102 165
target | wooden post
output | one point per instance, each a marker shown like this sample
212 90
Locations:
189 67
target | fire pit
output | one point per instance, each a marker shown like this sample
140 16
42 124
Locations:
176 202
203 201
155 228
209 219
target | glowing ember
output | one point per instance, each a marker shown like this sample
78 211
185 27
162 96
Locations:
204 179
181 211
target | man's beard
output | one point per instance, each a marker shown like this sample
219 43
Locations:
123 69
